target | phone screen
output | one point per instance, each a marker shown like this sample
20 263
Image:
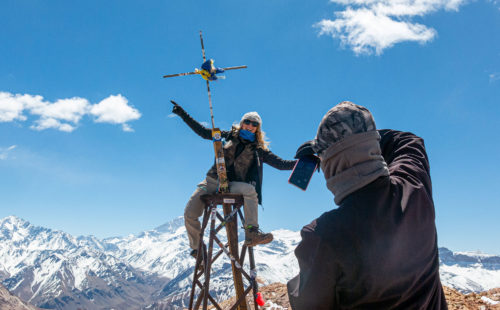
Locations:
303 172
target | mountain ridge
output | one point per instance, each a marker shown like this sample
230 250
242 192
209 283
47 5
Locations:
53 268
8 301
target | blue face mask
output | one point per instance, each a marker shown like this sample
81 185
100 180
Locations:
247 135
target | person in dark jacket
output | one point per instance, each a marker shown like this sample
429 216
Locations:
378 249
245 150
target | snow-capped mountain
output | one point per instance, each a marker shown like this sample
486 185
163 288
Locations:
11 302
164 251
52 269
153 269
275 262
468 271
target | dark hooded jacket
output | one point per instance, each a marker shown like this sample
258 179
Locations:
378 250
243 158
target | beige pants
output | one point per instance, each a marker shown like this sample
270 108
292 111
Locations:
194 207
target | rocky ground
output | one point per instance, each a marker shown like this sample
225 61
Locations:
276 298
11 302
483 301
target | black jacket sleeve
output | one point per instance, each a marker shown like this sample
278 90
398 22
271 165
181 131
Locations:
277 162
406 157
198 128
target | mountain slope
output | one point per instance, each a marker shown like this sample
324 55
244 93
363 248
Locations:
165 252
465 272
54 269
11 302
469 272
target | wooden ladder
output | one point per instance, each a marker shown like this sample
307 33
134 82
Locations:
231 206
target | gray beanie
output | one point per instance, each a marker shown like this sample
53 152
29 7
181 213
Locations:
343 120
252 116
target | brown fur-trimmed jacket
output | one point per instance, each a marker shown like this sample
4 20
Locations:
247 166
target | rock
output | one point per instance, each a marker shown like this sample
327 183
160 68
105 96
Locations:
276 298
11 302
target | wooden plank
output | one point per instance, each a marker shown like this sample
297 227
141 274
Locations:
219 161
208 263
232 239
253 276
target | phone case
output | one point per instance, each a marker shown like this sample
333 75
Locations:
302 173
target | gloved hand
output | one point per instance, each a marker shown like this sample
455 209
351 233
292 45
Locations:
177 109
305 149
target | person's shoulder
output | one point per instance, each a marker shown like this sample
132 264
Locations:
385 133
263 151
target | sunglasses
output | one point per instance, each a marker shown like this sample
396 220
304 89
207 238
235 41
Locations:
249 122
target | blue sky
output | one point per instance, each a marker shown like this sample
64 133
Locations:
88 144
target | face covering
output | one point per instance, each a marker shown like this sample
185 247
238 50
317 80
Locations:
353 163
247 135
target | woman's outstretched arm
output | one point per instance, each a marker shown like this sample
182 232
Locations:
198 128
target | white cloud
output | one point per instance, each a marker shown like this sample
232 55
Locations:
46 123
4 152
496 3
71 110
114 110
65 114
494 77
127 128
368 26
11 108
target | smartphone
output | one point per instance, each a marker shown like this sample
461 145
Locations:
303 171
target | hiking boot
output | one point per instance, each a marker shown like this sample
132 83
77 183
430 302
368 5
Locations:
194 253
254 236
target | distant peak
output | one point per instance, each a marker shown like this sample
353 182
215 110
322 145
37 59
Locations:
172 225
14 221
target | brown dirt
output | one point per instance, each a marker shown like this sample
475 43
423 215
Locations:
276 298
